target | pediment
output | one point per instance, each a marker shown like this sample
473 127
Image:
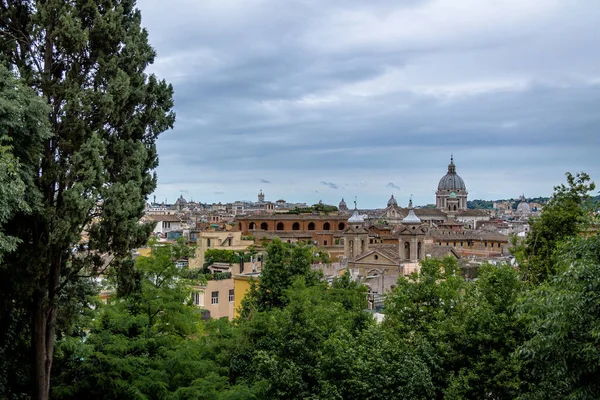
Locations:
383 258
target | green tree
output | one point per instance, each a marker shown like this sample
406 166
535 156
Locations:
477 346
422 299
563 318
283 263
87 60
564 216
23 127
149 344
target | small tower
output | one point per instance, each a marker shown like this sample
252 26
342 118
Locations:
411 236
261 197
356 236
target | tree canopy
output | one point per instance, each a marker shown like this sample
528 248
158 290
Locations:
88 176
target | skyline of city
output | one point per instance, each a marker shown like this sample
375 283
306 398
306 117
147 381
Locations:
302 98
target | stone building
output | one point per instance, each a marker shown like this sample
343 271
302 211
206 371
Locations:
319 229
378 255
451 195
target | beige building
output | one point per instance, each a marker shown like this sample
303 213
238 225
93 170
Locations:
217 240
217 297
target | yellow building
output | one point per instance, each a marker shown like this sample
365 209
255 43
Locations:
241 286
217 240
216 296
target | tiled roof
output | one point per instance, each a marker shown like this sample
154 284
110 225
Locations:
446 234
165 218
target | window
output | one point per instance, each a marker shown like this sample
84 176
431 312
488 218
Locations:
324 242
341 226
296 226
198 298
280 226
264 226
214 299
207 242
231 295
326 226
311 226
252 226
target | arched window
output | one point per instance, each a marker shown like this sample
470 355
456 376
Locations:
407 250
264 226
341 226
311 226
280 226
252 226
419 250
296 226
207 242
455 207
326 226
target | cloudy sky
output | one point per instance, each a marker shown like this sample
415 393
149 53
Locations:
324 99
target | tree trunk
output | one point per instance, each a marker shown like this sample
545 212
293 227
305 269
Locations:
42 333
42 345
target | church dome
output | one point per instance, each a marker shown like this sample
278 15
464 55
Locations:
356 218
451 181
342 204
523 208
411 218
392 201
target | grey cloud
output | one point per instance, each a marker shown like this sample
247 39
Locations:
264 181
393 186
259 96
329 184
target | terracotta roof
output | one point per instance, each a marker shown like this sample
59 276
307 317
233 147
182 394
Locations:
166 218
437 251
473 213
446 234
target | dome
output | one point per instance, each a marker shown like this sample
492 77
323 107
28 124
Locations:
411 218
392 201
523 208
356 218
451 181
342 203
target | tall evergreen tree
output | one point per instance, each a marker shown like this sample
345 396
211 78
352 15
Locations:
87 60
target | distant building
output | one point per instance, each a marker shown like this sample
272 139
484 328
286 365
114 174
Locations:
451 195
217 240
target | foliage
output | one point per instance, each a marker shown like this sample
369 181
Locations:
145 344
425 298
466 332
564 216
478 345
315 208
92 174
563 318
23 128
212 256
479 204
283 262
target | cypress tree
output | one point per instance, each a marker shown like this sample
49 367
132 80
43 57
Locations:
87 60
